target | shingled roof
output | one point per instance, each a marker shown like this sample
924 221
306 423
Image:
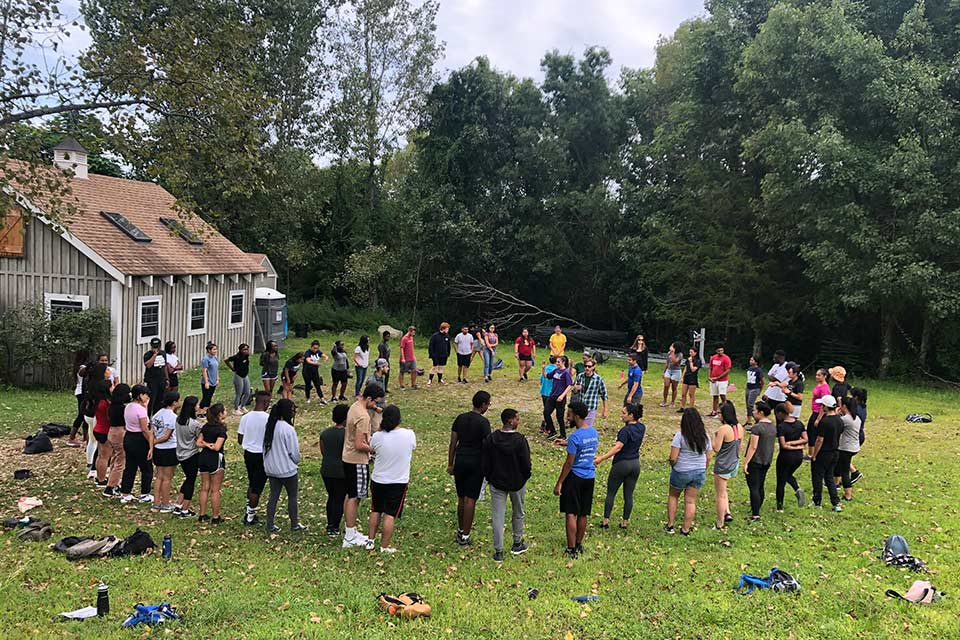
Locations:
143 204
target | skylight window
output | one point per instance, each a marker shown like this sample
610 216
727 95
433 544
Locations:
126 226
178 227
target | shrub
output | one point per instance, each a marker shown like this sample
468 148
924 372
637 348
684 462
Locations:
326 315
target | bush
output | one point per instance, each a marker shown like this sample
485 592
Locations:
35 348
324 315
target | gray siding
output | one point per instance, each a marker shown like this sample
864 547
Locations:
174 321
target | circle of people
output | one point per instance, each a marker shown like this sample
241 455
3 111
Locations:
150 428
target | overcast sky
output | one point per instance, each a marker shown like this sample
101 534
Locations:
514 34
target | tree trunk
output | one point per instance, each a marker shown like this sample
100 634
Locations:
886 342
926 338
757 344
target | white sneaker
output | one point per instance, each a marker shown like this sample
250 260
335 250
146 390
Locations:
388 550
92 473
127 499
356 541
369 545
146 497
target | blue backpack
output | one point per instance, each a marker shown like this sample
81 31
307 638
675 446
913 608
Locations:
778 580
151 615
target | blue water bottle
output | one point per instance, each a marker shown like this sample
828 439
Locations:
167 550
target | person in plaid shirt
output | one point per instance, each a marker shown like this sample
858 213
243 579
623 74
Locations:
592 390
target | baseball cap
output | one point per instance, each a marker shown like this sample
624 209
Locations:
828 401
381 362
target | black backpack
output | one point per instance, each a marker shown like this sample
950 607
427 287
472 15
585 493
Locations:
921 418
37 443
55 429
136 544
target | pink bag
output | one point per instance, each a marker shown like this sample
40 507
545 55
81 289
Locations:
920 592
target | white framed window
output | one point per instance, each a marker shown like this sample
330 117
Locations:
148 318
57 303
197 320
238 300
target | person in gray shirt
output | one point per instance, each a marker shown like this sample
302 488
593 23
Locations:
338 371
763 437
281 460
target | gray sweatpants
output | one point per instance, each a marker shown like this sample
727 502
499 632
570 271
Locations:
752 395
292 487
498 513
626 473
241 391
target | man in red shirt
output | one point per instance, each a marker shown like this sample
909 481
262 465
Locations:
720 366
408 360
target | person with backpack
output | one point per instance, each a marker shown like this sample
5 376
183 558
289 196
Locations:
137 447
281 461
331 469
113 455
164 424
690 452
394 446
239 363
212 465
793 440
577 478
250 438
188 455
759 456
463 462
825 453
625 470
726 448
505 461
849 444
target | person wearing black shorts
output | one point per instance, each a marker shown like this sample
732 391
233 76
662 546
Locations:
463 462
577 477
394 446
212 465
250 438
439 351
464 347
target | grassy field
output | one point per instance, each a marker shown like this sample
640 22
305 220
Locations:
234 582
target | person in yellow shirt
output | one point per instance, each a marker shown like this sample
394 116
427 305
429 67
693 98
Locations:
558 342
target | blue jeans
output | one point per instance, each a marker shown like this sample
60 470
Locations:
680 480
361 373
488 356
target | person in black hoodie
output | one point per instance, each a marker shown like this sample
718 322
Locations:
505 460
439 351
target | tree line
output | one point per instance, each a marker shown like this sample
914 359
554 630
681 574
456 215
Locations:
783 175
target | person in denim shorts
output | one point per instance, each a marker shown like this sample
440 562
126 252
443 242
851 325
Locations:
689 457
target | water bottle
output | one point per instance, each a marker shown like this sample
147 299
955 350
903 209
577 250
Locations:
103 600
167 550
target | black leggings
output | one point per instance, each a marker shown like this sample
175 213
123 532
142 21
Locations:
156 396
191 467
136 448
311 378
206 394
291 484
821 472
787 464
550 406
336 492
78 422
755 478
626 473
843 468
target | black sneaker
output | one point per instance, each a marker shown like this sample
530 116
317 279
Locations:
298 527
250 519
727 517
669 529
498 555
274 529
462 539
518 548
203 519
217 520
333 533
855 477
570 552
100 484
186 513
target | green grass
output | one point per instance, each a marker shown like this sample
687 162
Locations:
232 582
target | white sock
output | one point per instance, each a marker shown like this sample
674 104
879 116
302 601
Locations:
349 533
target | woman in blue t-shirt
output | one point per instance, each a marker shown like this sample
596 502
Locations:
626 463
210 376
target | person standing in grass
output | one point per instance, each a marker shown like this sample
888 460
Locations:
861 395
557 402
490 342
754 386
690 380
394 447
793 440
525 348
464 347
439 351
250 438
383 353
505 461
174 366
825 453
209 376
639 347
849 444
671 374
281 462
793 388
381 371
690 452
239 363
759 457
338 372
114 456
633 382
546 386
212 464
726 448
592 390
312 358
289 375
408 359
625 470
361 360
137 447
331 468
819 391
356 457
720 366
164 424
776 376
577 477
558 342
188 454
270 366
463 462
155 375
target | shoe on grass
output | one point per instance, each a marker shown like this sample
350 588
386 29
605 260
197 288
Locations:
186 513
273 529
837 508
801 498
388 550
369 544
356 541
127 499
145 497
217 520
297 528
669 529
518 548
855 477
570 552
203 518
498 555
